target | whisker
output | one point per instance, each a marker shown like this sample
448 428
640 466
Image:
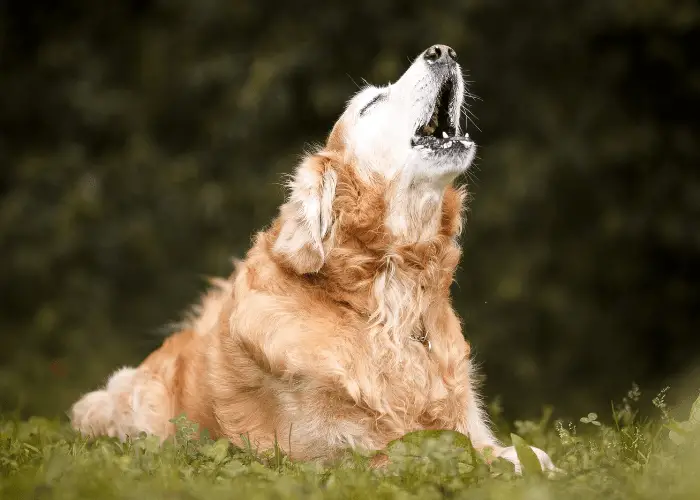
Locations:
353 80
473 120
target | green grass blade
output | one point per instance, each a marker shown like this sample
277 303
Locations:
529 461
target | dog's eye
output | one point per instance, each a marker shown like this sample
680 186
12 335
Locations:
372 103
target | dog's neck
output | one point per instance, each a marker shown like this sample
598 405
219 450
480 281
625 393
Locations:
414 211
403 243
424 219
391 251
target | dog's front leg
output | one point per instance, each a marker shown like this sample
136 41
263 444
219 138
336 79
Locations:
476 427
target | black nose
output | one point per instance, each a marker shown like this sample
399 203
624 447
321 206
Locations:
440 54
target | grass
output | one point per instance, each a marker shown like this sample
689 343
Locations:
630 458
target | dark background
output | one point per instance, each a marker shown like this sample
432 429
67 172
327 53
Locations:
142 143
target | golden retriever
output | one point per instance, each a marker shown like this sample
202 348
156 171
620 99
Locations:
337 330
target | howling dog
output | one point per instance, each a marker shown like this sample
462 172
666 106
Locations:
337 330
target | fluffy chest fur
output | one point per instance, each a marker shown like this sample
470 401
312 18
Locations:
335 353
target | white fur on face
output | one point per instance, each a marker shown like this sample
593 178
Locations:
382 132
380 122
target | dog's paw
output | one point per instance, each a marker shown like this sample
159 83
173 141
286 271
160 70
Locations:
93 415
510 454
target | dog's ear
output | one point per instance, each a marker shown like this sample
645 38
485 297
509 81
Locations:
306 217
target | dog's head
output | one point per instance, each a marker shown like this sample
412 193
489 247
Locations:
403 140
408 131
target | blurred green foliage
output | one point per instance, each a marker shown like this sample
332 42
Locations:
143 143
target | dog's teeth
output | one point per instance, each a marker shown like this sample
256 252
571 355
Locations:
444 135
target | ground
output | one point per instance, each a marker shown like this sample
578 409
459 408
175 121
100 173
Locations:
628 458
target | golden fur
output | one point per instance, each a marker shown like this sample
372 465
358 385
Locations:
320 357
312 340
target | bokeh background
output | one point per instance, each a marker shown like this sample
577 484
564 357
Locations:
142 143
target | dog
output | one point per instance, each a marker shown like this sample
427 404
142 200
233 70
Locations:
337 330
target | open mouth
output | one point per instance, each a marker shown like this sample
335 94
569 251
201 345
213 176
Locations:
440 130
